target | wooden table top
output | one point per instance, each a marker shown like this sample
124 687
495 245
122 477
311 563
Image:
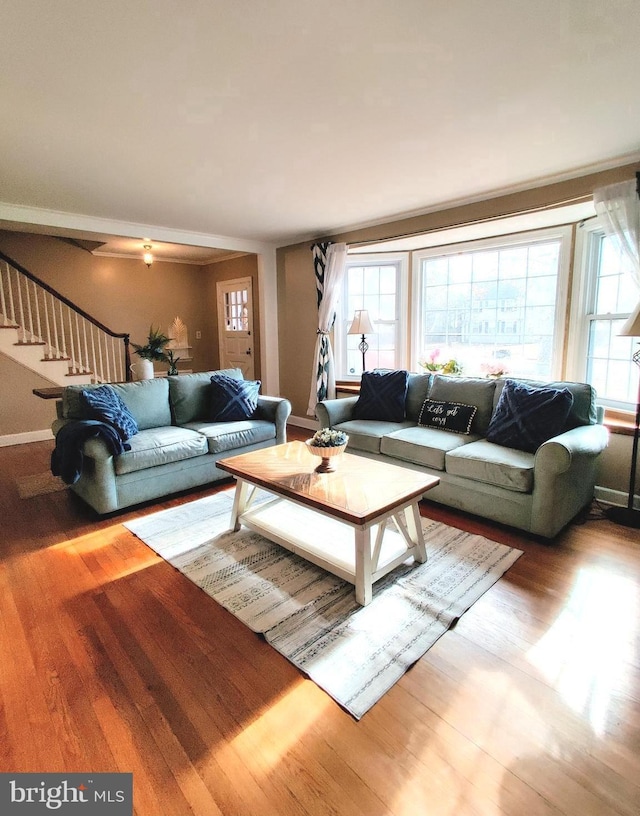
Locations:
358 491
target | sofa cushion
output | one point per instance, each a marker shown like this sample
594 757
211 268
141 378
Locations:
492 464
229 436
447 416
147 400
584 409
105 405
422 446
527 416
366 434
382 396
232 399
468 391
160 446
189 394
417 390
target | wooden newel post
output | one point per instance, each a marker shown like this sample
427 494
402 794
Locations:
127 359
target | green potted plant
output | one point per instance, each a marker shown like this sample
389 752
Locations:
152 351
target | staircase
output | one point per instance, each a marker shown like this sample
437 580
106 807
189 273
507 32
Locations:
45 332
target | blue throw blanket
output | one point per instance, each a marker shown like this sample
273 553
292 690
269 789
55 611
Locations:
67 456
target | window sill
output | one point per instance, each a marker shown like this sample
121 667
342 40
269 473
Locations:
619 422
351 388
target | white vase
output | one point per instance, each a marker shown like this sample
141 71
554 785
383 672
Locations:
142 370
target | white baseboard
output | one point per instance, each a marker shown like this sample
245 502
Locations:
24 438
303 422
615 497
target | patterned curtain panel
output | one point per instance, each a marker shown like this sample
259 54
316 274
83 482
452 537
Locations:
329 264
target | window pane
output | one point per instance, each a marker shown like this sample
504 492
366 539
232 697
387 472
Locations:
615 289
610 369
481 306
373 287
388 280
609 365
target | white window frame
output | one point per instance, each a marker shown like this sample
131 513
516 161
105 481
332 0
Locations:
564 233
401 260
583 296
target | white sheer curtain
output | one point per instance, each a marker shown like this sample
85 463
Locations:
618 206
329 262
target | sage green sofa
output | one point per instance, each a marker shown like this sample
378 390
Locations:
538 492
176 448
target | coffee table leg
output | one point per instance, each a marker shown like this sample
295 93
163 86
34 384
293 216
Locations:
363 566
239 504
414 527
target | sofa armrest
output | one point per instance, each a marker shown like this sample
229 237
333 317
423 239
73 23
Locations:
557 454
564 478
333 412
276 410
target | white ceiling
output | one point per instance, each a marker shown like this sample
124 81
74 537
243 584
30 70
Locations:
277 121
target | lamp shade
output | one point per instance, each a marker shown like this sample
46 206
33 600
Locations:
632 327
361 323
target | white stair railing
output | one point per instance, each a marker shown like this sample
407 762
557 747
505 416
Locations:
44 317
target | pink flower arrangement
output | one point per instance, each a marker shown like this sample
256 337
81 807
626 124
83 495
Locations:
494 369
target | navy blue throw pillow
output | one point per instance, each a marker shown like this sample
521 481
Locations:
105 405
526 416
233 399
382 396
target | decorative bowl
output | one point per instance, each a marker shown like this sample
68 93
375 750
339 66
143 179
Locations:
327 454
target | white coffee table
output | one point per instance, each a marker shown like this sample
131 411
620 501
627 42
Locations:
337 520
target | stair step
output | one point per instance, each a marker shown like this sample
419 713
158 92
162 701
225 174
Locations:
7 326
79 374
54 359
34 343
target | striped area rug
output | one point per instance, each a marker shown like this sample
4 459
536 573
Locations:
354 653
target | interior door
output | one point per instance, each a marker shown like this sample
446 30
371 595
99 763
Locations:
235 325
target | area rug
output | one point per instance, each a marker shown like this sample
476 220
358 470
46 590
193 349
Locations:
37 484
311 617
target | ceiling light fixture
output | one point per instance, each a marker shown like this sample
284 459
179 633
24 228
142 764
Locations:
147 257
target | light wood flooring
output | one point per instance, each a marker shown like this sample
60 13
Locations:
112 661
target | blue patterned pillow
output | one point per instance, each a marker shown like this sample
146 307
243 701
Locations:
105 405
527 416
232 399
382 396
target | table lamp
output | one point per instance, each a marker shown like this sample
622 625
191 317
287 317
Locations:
361 325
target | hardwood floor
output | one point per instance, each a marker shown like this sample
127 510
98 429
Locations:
113 661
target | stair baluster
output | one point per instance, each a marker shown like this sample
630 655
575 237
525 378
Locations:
46 318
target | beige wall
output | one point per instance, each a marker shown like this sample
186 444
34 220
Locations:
122 294
20 410
297 324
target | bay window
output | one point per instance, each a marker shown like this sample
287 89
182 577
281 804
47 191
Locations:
498 305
